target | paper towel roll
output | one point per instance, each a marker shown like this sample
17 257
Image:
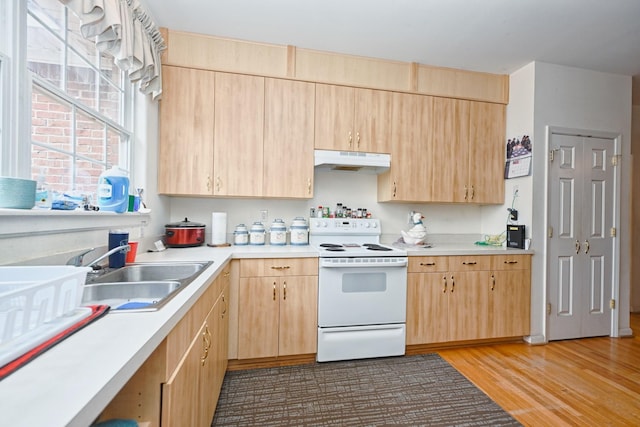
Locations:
218 228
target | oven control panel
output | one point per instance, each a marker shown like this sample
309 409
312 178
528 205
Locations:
344 226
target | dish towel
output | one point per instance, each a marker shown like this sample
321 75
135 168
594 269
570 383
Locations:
97 311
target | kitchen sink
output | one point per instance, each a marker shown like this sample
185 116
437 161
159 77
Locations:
150 272
140 287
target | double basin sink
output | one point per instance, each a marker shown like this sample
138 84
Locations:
140 287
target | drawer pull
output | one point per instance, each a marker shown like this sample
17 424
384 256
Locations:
493 282
274 291
511 262
453 284
427 264
469 263
444 288
285 267
284 291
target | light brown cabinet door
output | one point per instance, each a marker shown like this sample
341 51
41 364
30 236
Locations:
468 305
258 317
182 389
185 158
372 120
288 139
450 155
334 117
298 315
486 152
427 308
238 135
409 178
509 303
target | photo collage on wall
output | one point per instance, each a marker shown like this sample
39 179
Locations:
518 157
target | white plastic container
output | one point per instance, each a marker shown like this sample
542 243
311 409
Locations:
113 190
257 234
278 233
299 231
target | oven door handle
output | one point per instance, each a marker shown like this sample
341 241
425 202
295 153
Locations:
335 263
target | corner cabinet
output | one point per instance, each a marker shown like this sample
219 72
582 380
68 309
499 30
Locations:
466 298
278 299
179 384
352 119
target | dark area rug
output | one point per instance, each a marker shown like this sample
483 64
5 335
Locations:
421 390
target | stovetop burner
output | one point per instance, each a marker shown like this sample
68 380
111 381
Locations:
376 247
330 245
335 249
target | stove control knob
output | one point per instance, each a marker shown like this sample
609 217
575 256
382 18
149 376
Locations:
374 225
367 225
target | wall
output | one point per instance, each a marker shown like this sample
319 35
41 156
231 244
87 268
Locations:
577 99
635 209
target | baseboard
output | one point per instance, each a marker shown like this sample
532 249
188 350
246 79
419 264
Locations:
536 339
270 362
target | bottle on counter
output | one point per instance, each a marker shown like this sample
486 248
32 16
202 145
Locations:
319 212
338 212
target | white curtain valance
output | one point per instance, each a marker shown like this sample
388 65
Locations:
123 29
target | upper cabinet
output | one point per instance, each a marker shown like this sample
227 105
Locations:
445 151
185 161
352 119
238 135
288 134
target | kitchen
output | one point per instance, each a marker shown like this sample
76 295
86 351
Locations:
361 191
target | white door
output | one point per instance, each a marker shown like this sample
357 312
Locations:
581 207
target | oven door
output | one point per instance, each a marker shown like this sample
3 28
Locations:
362 291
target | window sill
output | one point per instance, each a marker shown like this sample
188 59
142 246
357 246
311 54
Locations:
29 222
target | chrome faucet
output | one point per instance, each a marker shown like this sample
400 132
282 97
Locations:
77 260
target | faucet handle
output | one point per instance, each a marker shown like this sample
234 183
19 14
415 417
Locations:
77 260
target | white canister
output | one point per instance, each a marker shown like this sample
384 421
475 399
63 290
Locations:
241 235
299 231
257 234
278 233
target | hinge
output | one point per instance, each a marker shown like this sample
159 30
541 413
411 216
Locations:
548 308
612 304
613 232
550 232
614 159
552 154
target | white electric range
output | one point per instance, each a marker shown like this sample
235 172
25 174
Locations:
362 290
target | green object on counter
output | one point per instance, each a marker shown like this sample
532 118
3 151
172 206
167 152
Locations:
116 423
482 243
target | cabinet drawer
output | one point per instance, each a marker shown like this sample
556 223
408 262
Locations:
279 267
427 264
469 263
511 262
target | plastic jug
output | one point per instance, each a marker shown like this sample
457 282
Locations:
113 190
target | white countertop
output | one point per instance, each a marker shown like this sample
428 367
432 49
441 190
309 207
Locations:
71 383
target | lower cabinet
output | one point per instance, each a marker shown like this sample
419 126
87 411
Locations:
462 298
179 384
278 307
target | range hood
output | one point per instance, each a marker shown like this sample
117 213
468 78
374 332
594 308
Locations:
352 161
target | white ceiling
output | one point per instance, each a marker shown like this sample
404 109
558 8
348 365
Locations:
497 36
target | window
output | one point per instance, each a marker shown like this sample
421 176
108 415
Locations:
81 102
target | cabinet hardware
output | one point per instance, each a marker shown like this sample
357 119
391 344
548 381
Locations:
284 291
358 139
550 232
274 291
548 308
427 264
612 304
473 192
350 139
394 189
577 246
209 183
613 232
511 262
469 263
218 183
453 284
466 193
493 282
586 246
444 288
226 274
552 154
224 310
309 186
285 267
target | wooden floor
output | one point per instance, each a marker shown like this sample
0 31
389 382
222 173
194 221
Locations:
585 382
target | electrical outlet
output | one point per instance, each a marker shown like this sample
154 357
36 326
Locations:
264 215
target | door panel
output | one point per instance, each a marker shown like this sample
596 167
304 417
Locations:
581 204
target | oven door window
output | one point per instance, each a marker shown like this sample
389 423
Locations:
364 282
